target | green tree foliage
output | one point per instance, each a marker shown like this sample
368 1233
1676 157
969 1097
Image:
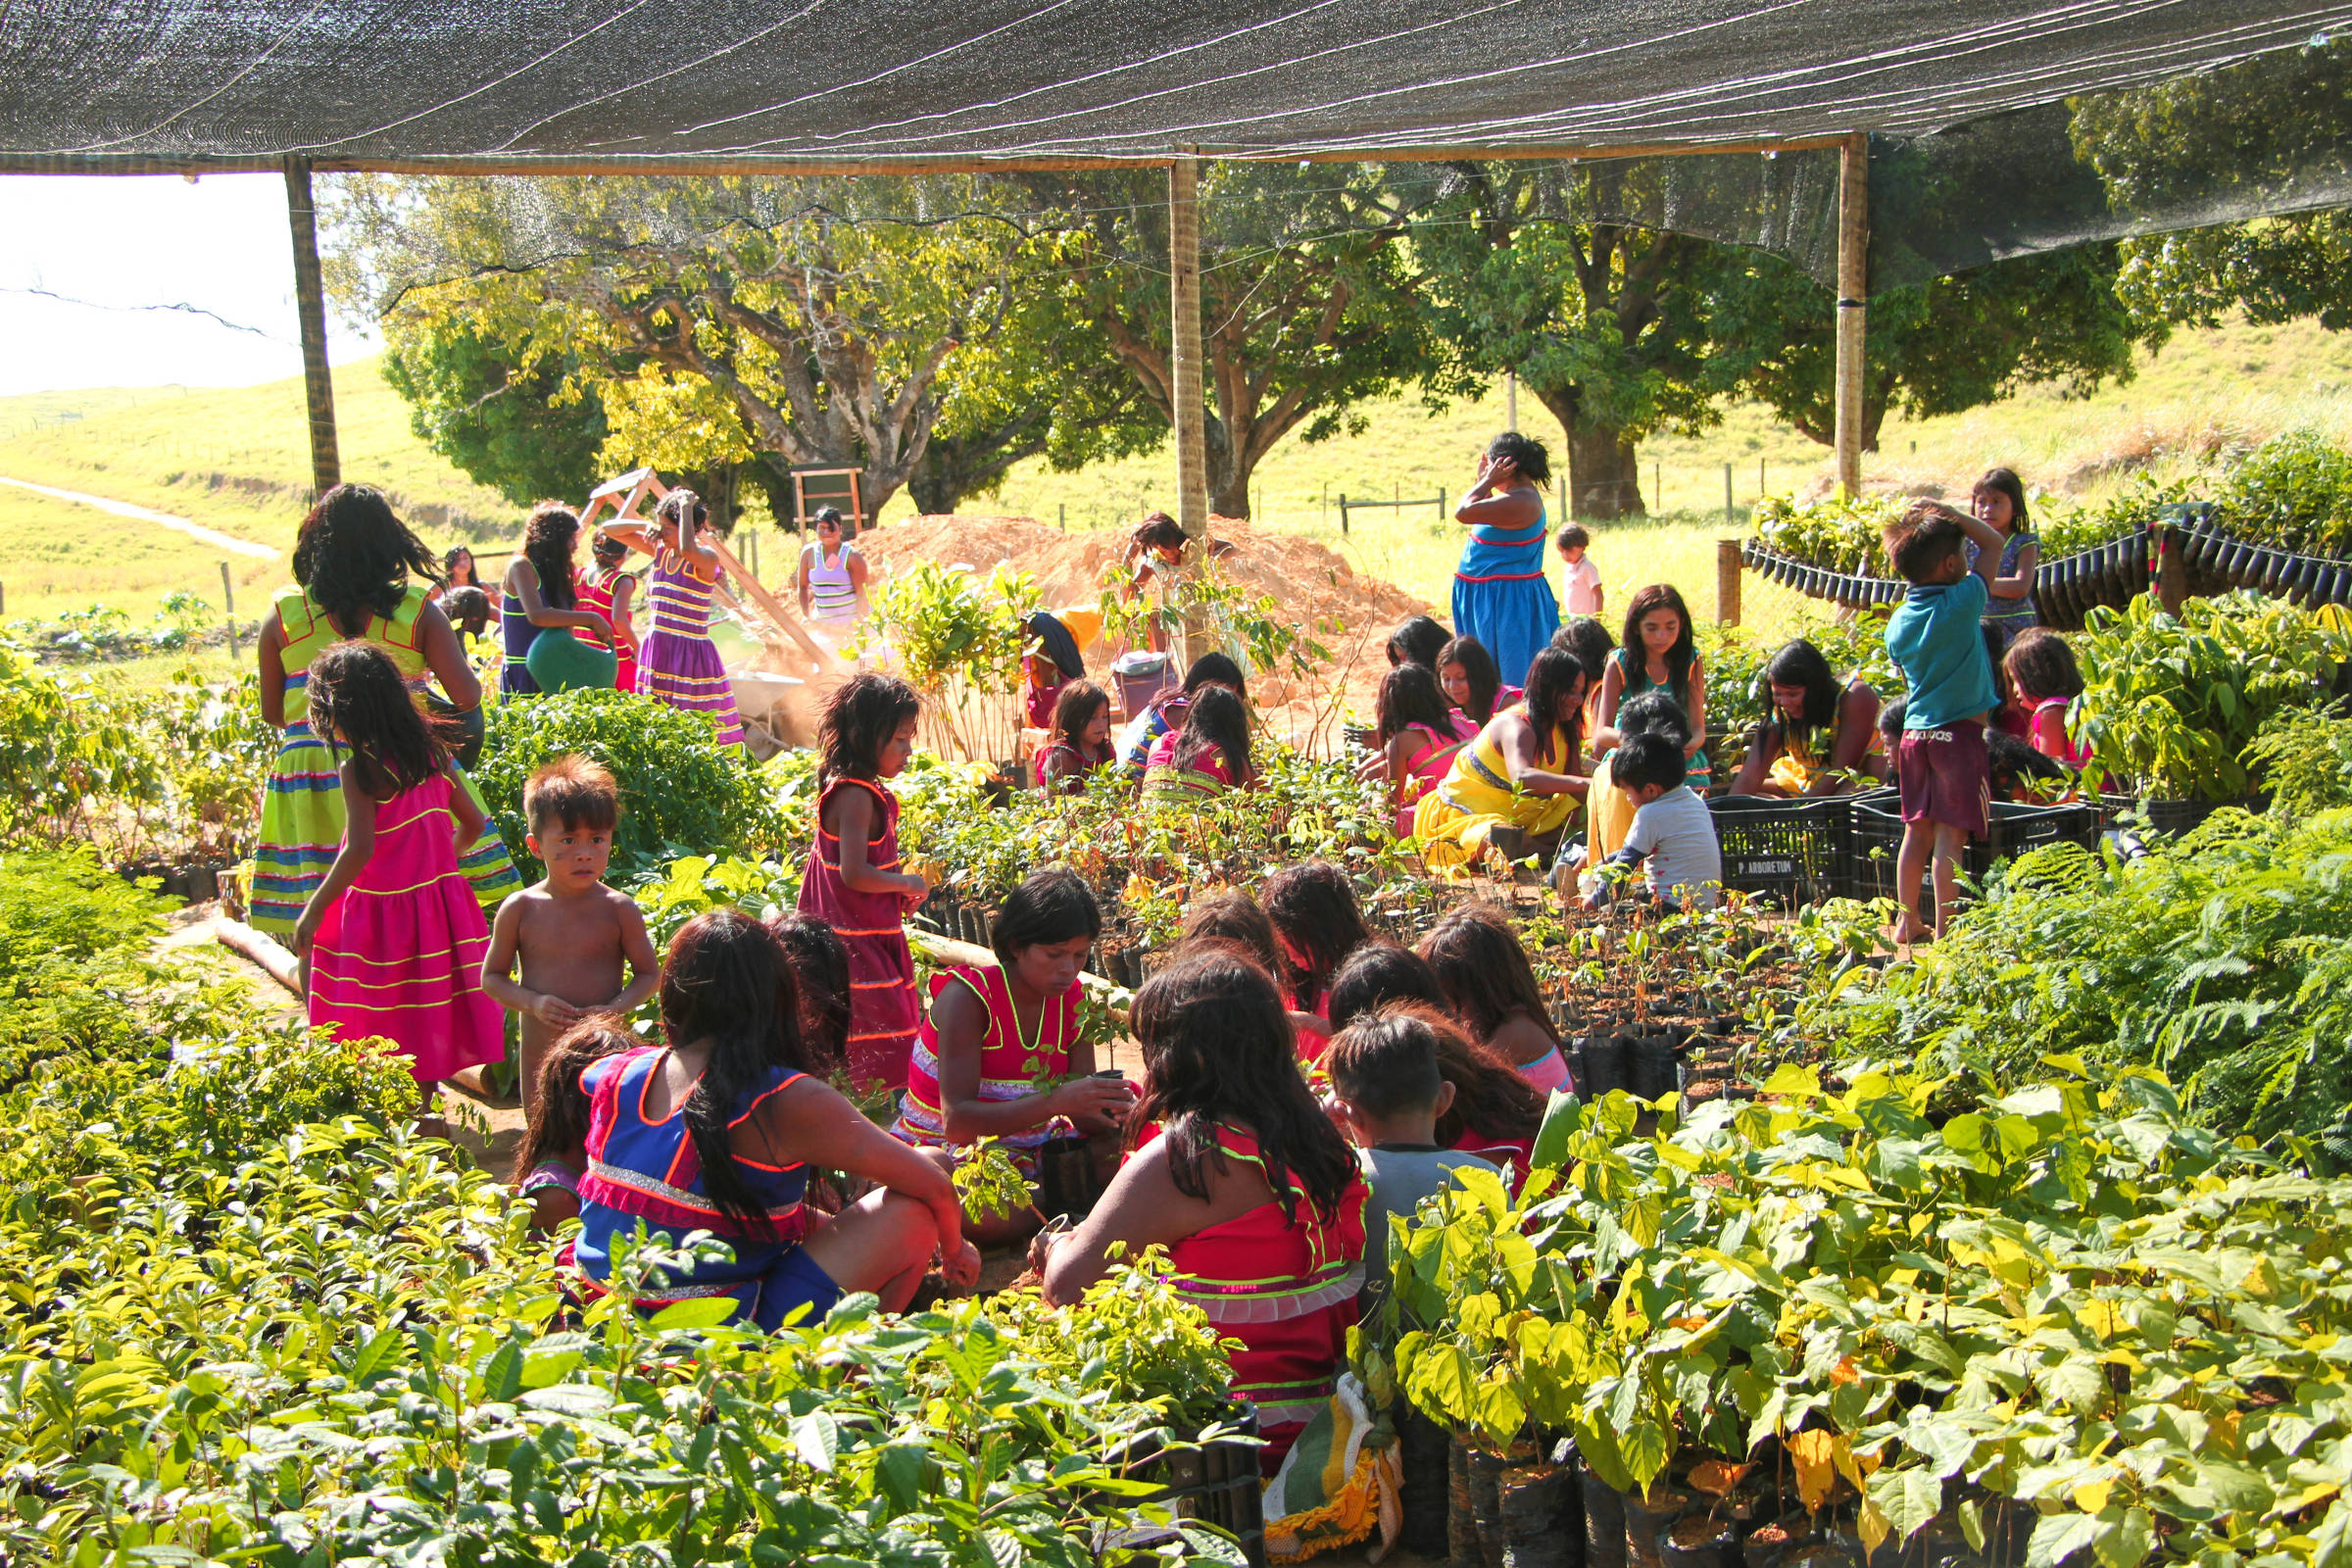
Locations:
1936 348
512 428
2276 125
716 319
1306 302
1603 322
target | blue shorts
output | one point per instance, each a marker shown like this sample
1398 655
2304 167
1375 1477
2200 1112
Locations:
795 1280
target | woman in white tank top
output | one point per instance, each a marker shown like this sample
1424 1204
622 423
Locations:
832 575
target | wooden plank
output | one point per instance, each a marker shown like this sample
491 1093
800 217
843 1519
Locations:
786 622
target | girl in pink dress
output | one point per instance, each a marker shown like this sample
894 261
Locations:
392 943
1417 738
853 882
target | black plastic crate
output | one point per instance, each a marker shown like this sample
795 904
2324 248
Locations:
1793 851
1874 836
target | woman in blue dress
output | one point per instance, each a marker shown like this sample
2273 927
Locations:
1500 595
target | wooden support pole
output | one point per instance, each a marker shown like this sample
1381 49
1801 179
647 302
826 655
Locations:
1727 582
1853 304
1184 352
310 304
228 609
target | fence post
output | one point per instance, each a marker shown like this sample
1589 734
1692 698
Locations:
1762 489
228 609
1441 512
1729 516
2171 570
1065 517
1342 513
1727 582
1657 486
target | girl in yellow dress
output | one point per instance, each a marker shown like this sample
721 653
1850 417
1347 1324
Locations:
1524 770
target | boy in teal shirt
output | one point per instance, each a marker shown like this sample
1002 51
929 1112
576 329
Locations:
1940 763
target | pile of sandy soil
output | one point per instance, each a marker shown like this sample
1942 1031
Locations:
1349 613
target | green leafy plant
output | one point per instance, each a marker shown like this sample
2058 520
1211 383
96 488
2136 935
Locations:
682 791
2170 703
2304 756
960 641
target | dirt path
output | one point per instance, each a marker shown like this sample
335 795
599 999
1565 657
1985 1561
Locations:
161 519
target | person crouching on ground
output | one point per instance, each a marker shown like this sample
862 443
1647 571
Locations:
1673 837
995 1033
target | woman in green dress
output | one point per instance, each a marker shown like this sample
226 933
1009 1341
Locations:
361 574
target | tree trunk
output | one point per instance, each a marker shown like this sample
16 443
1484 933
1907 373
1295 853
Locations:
1603 473
933 486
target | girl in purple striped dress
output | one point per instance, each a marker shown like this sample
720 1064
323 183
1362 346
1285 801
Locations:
677 662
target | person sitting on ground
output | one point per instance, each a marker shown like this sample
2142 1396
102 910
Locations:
1608 807
1673 837
1234 1168
1081 739
1522 771
553 1155
583 947
1167 711
1820 730
820 969
1209 756
1496 1113
718 1131
2014 770
1318 922
1417 738
1589 639
1418 641
1942 766
1490 987
996 1032
2010 717
1384 1075
2042 671
1472 684
1660 652
1233 917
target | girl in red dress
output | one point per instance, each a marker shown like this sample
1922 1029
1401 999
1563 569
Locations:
853 882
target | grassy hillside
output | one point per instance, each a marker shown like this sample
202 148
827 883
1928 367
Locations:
239 461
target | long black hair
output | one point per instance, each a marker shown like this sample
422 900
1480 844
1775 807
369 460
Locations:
353 557
1417 642
2004 481
1411 695
1680 657
1589 640
1800 664
1232 916
1484 971
1489 1097
728 980
548 536
858 721
1053 905
558 1120
1215 669
1074 710
1313 908
1554 677
1652 712
820 964
1479 669
358 700
1216 722
686 510
1377 974
1218 1050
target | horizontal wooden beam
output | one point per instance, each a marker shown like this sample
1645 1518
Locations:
708 164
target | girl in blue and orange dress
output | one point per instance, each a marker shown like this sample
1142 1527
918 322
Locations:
718 1130
852 881
1238 1172
998 1054
677 662
391 942
1500 595
364 575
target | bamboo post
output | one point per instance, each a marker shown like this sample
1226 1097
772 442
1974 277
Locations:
1853 305
1729 515
228 609
1184 355
310 305
1511 400
1727 582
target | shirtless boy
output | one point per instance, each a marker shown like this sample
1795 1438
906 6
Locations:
571 932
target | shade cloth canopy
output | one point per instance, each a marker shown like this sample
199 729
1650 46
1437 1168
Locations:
506 83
